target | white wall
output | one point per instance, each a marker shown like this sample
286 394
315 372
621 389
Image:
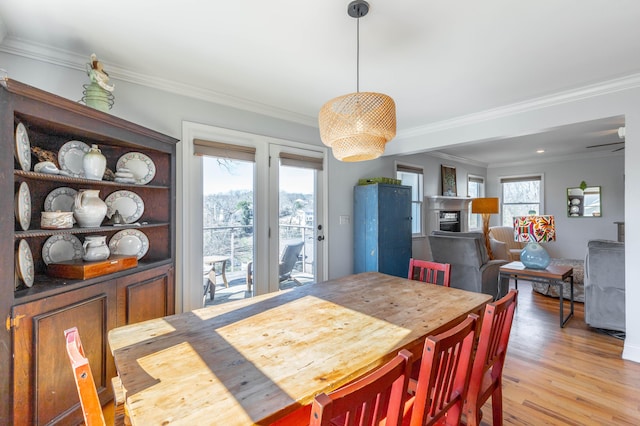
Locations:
573 233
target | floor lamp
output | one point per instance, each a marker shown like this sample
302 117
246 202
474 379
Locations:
486 207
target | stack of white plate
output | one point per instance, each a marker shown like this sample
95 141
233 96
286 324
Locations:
124 175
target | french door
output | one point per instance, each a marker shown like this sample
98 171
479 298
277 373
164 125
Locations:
296 216
287 204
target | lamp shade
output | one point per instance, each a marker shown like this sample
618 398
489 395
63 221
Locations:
358 125
534 230
539 229
485 205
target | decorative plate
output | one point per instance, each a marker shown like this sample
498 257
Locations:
23 206
139 164
61 199
61 247
70 157
129 205
23 147
129 242
25 263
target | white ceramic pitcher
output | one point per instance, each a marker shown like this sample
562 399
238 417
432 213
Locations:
95 248
88 209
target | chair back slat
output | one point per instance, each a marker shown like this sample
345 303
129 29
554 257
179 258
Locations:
489 359
444 375
378 397
429 272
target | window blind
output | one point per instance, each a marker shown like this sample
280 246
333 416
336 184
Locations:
409 169
224 150
520 179
302 161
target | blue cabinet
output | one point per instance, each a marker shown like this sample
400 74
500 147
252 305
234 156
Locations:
382 228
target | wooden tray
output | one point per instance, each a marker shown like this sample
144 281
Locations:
80 269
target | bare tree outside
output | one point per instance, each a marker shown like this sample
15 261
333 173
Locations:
519 198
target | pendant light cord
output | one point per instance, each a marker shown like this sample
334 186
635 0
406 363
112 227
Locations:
358 55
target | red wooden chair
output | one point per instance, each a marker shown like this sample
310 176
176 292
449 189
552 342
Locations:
91 407
486 373
380 395
444 377
423 270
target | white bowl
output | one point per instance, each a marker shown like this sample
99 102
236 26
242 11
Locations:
46 167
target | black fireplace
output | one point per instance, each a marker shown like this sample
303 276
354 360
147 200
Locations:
449 220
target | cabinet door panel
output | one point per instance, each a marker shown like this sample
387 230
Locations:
43 380
146 295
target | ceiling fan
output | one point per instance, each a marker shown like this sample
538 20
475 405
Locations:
621 135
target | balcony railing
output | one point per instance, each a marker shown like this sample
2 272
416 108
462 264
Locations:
236 242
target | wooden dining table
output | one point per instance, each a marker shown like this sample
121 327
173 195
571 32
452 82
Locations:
259 360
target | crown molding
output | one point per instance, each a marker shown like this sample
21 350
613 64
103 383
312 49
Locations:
532 161
598 89
457 159
556 159
71 60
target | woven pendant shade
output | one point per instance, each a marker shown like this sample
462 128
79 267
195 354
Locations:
358 125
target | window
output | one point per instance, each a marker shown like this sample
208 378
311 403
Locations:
520 196
413 176
475 189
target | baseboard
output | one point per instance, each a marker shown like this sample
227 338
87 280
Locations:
631 352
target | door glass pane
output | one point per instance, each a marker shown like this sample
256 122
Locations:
297 224
228 238
414 180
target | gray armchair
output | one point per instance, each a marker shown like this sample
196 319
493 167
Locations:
604 287
471 268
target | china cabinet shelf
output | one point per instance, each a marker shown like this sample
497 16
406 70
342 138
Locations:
32 233
47 286
74 180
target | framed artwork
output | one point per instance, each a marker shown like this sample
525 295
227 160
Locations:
449 186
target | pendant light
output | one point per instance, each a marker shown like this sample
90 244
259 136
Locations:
358 125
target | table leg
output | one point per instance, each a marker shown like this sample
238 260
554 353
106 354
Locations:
224 275
212 283
564 320
571 294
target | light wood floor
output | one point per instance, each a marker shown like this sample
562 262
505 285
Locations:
560 376
564 376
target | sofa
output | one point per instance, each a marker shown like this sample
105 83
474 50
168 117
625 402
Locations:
471 268
604 285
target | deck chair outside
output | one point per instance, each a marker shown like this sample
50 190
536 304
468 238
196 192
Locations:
288 259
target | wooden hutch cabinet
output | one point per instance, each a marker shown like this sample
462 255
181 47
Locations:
37 385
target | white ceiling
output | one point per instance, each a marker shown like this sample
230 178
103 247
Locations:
438 59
